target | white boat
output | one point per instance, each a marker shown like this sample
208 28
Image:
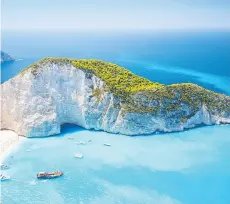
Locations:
107 144
78 155
80 143
70 138
4 178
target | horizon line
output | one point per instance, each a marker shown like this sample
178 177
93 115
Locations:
119 29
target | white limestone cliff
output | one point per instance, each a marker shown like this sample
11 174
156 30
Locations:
38 106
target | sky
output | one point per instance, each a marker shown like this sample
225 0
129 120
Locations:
114 14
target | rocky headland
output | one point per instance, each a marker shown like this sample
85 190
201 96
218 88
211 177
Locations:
103 96
6 57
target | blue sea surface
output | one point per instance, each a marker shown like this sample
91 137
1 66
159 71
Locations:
171 57
190 167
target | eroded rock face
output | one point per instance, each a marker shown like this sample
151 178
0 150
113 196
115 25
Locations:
37 105
5 57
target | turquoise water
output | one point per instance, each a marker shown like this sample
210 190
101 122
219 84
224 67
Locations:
189 167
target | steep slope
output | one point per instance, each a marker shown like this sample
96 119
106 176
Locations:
103 96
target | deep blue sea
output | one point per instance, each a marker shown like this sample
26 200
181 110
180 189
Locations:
190 167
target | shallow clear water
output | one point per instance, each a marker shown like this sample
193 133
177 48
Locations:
189 167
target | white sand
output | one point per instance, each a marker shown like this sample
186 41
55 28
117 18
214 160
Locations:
8 140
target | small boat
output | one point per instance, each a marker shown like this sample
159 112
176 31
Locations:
78 155
3 166
89 140
107 144
80 143
4 178
28 150
70 138
49 175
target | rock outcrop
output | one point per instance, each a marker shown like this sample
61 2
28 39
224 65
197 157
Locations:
5 57
54 92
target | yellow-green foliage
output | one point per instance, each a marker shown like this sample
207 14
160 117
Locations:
131 107
97 93
174 96
117 79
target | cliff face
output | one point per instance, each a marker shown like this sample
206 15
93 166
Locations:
37 104
5 57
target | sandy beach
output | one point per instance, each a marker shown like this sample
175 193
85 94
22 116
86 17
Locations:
8 140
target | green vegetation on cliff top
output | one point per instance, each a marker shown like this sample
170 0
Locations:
125 84
118 80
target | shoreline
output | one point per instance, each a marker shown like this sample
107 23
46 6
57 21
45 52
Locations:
8 141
